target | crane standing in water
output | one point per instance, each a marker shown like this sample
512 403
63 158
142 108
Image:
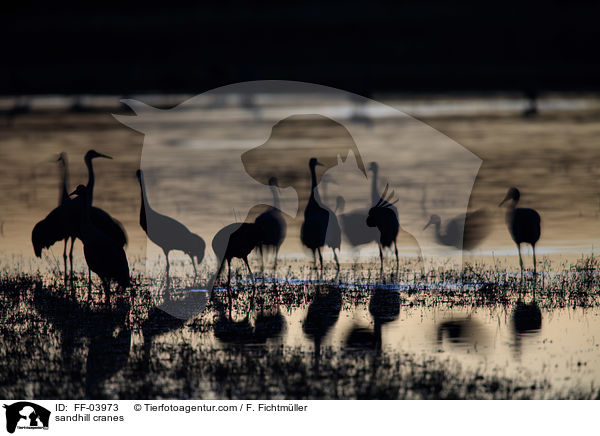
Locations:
103 255
168 233
523 224
62 222
383 216
235 240
320 224
271 225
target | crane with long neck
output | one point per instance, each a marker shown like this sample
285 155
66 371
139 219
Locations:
168 233
524 224
103 255
320 224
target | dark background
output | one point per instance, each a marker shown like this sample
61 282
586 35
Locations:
420 46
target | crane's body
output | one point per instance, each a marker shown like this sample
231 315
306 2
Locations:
320 226
524 224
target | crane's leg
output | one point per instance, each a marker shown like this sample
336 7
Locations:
534 265
337 263
275 264
228 273
262 259
167 256
106 283
520 258
397 259
380 256
320 257
194 265
253 284
315 258
65 259
71 256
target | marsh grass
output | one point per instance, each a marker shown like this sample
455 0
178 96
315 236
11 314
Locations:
62 341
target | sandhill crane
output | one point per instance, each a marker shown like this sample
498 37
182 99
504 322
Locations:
475 229
235 240
320 224
271 224
103 255
523 224
168 233
383 216
63 222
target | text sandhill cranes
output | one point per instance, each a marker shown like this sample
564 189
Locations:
320 226
523 224
62 223
103 255
168 233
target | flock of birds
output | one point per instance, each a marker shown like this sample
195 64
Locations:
104 238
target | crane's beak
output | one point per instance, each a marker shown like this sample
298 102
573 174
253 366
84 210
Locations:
104 155
319 164
504 201
428 224
73 193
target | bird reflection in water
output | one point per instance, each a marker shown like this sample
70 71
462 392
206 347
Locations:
256 328
384 307
526 322
323 312
107 331
463 333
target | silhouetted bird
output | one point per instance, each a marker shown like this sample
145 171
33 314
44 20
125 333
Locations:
323 312
103 255
235 240
383 216
63 222
168 233
523 224
474 230
63 199
320 226
271 224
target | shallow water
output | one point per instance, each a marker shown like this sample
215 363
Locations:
57 344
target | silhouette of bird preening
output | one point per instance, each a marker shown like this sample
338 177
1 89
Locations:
168 233
63 222
320 226
271 225
383 216
103 255
475 228
524 224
